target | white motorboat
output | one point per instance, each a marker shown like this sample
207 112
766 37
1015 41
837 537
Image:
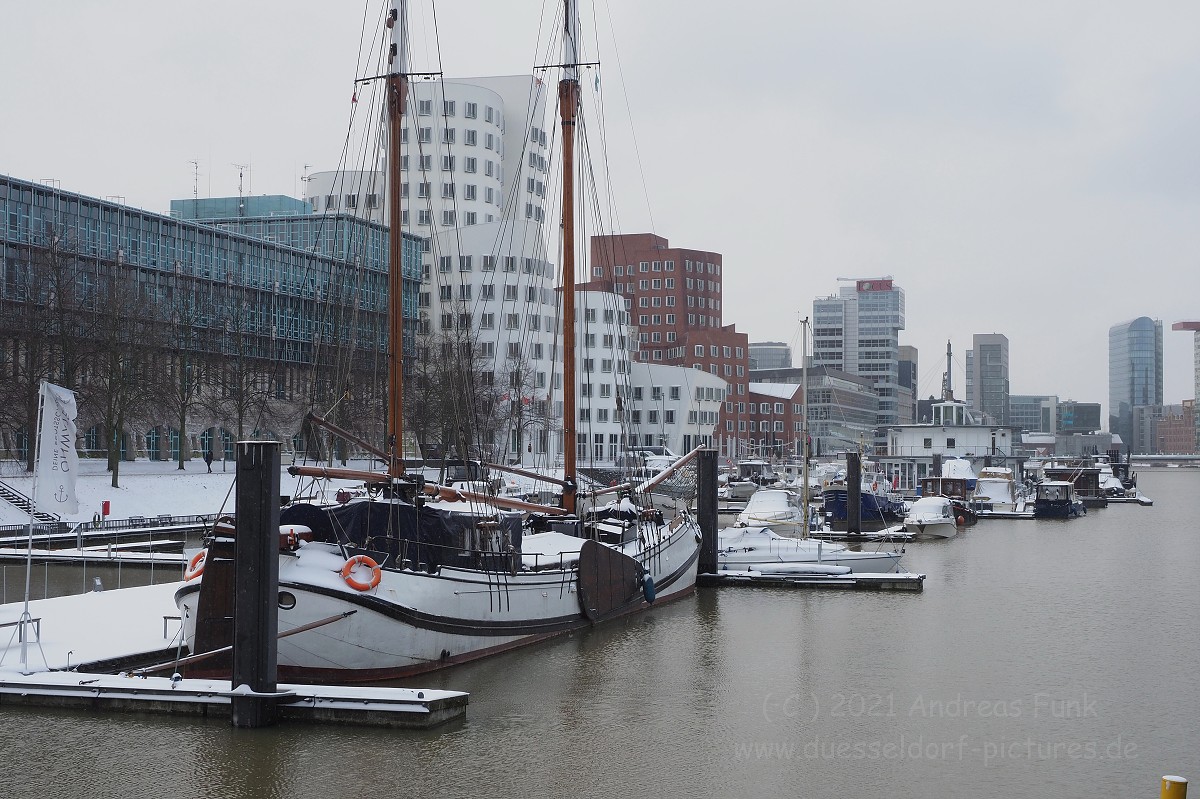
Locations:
772 507
732 488
931 517
996 492
762 550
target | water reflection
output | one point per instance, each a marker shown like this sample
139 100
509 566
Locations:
1043 658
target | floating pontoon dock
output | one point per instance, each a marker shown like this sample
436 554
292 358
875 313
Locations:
893 581
75 643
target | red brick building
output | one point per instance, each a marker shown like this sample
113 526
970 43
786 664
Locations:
1176 433
673 295
774 419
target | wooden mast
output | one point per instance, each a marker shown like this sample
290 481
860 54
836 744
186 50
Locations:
397 94
568 107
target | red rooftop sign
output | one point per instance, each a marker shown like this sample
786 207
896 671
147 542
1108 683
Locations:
874 285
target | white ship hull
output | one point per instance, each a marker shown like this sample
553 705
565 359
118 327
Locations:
415 621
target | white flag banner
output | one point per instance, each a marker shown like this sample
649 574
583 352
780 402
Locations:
58 462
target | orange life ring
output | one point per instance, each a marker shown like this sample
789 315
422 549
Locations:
196 565
359 585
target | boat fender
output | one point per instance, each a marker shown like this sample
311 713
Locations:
196 565
648 588
364 560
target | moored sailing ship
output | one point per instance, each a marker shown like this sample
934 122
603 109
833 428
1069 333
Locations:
416 576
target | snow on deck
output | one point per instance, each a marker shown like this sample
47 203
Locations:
91 627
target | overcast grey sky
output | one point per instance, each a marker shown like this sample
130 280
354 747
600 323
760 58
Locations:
1028 168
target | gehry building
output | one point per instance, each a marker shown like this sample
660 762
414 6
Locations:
477 174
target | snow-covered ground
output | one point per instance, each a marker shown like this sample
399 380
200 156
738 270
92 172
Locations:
147 488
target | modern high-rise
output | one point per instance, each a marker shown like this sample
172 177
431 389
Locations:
1135 373
987 376
857 331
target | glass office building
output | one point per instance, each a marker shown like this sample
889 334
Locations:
1135 373
290 292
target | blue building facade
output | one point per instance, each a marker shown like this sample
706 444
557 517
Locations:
296 288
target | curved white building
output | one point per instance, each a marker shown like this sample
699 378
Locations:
476 189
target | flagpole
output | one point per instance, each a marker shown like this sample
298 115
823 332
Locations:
26 619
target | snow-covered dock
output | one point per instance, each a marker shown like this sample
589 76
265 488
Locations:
77 642
854 581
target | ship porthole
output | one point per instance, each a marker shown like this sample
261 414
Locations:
287 600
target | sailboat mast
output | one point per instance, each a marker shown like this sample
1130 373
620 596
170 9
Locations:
568 107
397 95
804 423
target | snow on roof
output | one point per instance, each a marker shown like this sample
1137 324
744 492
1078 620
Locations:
780 390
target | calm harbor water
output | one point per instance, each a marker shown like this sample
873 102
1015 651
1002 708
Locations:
1051 658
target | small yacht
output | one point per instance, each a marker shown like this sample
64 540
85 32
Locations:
772 507
996 491
931 517
1056 499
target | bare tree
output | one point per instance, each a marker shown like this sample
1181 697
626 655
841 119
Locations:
182 374
120 388
48 312
241 381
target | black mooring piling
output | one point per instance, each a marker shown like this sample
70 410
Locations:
706 509
853 493
256 585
